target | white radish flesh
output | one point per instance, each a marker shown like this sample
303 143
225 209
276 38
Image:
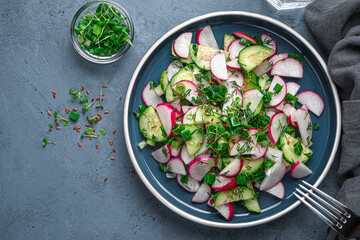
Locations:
273 176
292 88
279 97
226 210
233 64
189 115
277 123
185 155
181 45
206 37
313 101
218 66
175 151
173 68
175 165
203 194
187 87
299 170
288 67
224 184
176 104
278 190
232 169
263 68
198 167
191 186
274 155
150 97
167 117
234 48
244 146
269 42
163 154
305 126
245 36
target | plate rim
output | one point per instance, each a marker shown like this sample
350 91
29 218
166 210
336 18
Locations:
126 114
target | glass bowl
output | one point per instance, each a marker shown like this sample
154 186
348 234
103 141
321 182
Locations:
84 53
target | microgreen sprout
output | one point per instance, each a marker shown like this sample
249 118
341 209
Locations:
45 141
58 118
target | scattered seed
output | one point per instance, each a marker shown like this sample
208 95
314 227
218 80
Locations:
50 129
53 91
79 144
49 112
92 99
102 99
94 129
91 137
87 125
82 88
97 146
87 92
75 109
111 142
106 112
97 99
120 98
99 114
58 128
133 173
67 110
77 130
114 131
112 158
106 179
104 86
113 149
54 96
102 94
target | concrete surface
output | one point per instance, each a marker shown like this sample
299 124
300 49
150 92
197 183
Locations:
58 192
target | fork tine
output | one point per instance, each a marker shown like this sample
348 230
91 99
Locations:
314 210
341 206
332 209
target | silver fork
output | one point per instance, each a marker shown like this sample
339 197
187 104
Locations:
332 212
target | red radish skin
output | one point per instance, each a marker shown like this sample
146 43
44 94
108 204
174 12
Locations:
160 156
273 176
279 97
233 64
175 165
288 67
198 167
226 210
299 170
292 120
245 36
274 128
211 202
292 88
234 49
177 114
191 186
269 42
313 101
181 45
188 86
150 97
304 121
232 169
205 36
218 66
167 117
188 117
203 194
173 68
224 184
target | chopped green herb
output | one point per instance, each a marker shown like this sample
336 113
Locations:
316 127
268 164
298 148
74 116
278 88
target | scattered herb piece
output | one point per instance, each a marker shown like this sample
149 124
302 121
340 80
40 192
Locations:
298 148
278 88
74 116
45 142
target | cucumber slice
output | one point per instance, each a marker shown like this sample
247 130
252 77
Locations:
202 55
264 82
199 116
252 204
212 119
237 194
251 166
252 56
164 81
249 84
185 73
197 138
259 108
287 146
227 40
150 125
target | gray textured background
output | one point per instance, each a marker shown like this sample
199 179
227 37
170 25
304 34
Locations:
58 192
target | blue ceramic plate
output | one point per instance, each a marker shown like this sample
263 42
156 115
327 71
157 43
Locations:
315 78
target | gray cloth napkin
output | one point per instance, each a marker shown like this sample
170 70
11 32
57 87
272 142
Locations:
336 26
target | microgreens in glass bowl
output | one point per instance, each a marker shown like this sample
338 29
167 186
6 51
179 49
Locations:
102 31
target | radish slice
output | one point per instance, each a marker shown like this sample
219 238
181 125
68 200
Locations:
270 113
198 167
305 126
150 97
234 48
292 88
167 117
278 57
226 210
246 147
177 114
191 186
203 149
224 184
263 68
163 154
173 68
299 170
177 105
274 155
184 109
254 97
273 176
181 45
185 155
203 194
288 109
279 97
211 202
188 87
278 190
175 151
245 36
189 116
280 107
289 67
205 36
232 169
175 165
269 42
236 79
233 64
292 120
170 175
313 101
277 123
218 66
232 96
260 151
